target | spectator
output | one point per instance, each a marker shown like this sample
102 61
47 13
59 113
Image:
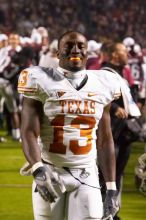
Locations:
121 110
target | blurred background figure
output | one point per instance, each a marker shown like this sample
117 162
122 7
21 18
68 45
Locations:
15 55
45 37
93 61
122 109
7 78
48 58
135 62
140 174
137 65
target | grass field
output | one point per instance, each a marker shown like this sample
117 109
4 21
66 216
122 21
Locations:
15 190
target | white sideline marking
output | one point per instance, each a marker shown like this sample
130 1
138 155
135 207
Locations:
15 185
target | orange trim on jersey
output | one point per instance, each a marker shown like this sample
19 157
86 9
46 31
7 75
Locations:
26 92
22 89
26 88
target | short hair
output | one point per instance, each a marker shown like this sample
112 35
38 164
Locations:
109 47
67 33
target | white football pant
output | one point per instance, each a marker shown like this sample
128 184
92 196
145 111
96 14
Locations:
79 202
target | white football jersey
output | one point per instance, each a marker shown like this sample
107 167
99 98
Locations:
71 116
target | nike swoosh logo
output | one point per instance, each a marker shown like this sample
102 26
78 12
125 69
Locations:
92 94
60 93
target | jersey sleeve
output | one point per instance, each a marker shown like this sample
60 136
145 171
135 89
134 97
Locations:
112 77
114 85
117 89
27 84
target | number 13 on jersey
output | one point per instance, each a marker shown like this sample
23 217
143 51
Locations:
85 125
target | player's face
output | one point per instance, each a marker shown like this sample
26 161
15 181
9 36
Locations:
14 40
3 43
72 52
122 54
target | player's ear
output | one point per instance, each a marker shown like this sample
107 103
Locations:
57 54
114 55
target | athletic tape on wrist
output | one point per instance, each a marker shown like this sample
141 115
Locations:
36 166
111 185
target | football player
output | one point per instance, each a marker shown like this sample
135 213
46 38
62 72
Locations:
69 109
135 62
6 89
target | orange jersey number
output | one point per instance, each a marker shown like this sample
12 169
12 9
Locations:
85 131
23 78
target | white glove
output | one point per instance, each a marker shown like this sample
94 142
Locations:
110 205
108 218
25 170
44 184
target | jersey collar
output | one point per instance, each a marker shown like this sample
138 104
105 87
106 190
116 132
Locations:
72 75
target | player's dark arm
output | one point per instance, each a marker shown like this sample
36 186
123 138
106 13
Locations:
106 160
105 147
30 129
32 113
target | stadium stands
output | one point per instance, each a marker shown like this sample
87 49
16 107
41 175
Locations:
97 19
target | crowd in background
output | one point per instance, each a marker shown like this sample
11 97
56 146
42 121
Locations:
95 18
18 52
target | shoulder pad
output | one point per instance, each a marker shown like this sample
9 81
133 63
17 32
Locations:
26 81
109 69
53 73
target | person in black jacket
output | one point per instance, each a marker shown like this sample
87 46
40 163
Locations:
117 62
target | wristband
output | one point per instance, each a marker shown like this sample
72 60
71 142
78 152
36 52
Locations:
36 166
111 186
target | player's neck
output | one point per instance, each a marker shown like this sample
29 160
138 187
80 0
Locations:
75 78
72 75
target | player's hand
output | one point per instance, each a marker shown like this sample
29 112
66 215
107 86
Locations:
121 113
110 205
44 184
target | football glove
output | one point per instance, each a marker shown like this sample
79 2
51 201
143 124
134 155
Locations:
108 218
45 184
25 170
110 205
